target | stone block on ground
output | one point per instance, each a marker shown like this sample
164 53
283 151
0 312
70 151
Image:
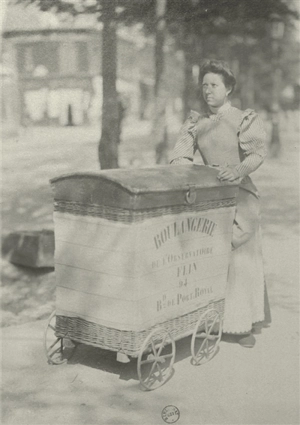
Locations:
30 248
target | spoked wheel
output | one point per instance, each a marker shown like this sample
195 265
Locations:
206 337
58 349
156 359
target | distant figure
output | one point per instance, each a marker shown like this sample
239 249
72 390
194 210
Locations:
161 149
121 115
70 116
161 134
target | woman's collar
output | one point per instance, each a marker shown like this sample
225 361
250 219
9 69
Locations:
222 110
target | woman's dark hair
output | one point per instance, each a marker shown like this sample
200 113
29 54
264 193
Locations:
221 68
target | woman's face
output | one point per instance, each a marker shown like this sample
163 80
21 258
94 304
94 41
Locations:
214 90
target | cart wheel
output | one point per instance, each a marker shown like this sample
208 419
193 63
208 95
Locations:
156 359
58 349
206 337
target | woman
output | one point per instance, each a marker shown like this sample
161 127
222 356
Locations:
234 141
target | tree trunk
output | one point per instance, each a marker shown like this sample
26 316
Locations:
188 47
246 77
250 86
159 121
160 36
108 146
275 107
243 82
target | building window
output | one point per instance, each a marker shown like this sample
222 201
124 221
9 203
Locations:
82 56
28 59
31 56
25 59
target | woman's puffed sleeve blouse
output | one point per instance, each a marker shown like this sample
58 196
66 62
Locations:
186 146
252 139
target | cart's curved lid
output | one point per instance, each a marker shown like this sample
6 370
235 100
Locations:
143 188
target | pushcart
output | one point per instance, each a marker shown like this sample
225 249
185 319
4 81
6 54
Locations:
141 260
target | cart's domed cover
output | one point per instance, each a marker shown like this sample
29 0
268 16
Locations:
143 188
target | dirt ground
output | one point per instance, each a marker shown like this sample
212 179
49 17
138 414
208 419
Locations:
259 386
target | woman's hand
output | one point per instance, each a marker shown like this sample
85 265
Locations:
228 174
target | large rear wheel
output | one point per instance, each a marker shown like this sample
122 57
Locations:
206 337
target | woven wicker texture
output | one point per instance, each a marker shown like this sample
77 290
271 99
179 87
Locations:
133 216
128 342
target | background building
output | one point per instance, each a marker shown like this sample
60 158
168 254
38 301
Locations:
53 70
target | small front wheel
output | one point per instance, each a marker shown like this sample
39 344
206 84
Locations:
58 349
156 359
206 337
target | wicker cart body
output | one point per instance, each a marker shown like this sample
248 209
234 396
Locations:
138 250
